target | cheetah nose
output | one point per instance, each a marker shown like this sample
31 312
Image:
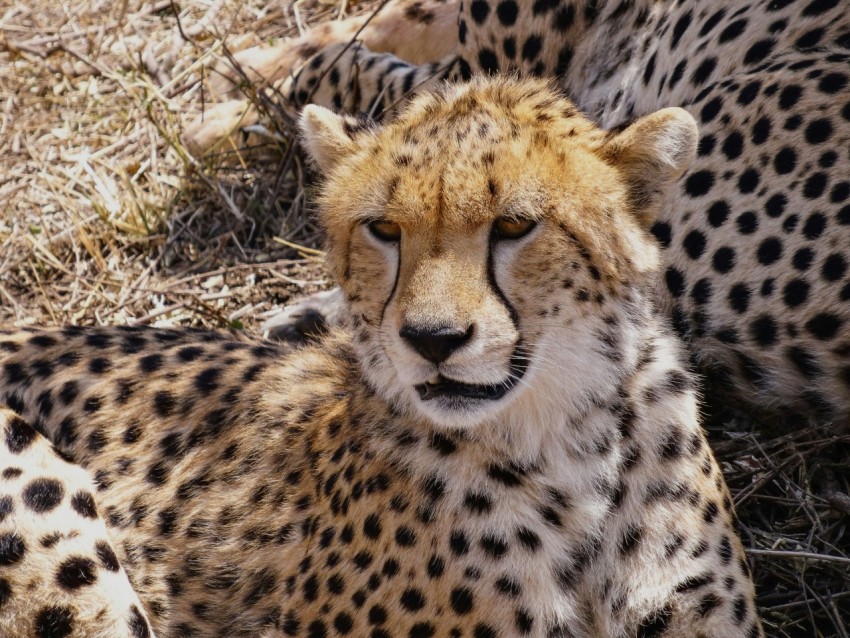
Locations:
435 344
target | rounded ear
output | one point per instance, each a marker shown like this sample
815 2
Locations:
650 154
327 136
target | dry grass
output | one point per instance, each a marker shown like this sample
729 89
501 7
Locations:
108 219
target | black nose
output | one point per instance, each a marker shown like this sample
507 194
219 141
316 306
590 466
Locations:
435 344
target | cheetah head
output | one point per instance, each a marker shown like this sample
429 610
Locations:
482 239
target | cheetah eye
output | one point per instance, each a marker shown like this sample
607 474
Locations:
512 228
385 230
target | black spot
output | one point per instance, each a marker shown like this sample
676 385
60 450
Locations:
818 131
761 130
479 9
706 145
19 434
164 403
484 631
405 536
790 223
739 608
817 7
795 292
99 365
529 539
718 213
436 566
789 96
785 161
810 39
5 592
769 251
712 22
814 226
764 330
694 582
83 503
675 281
749 93
679 29
6 507
68 392
412 599
748 181
802 259
662 232
834 267
76 572
54 622
92 404
701 292
12 548
461 600
815 185
631 539
150 363
655 624
832 83
478 503
747 223
317 629
507 11
649 69
699 183
206 381
824 326
723 259
694 244
137 623
531 48
710 110
422 630
504 475
42 495
493 545
739 297
840 192
732 31
488 61
733 145
459 543
703 71
372 526
805 362
758 51
189 353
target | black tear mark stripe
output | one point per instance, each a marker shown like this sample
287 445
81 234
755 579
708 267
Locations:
395 285
494 286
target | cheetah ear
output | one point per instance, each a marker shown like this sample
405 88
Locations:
327 136
651 153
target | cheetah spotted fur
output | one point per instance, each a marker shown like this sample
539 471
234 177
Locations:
755 235
504 442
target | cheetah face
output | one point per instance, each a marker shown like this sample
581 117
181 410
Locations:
478 236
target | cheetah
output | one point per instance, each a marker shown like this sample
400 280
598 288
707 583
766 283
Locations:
754 236
504 440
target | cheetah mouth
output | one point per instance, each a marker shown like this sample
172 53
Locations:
454 389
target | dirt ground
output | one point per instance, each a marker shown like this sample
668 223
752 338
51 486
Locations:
108 219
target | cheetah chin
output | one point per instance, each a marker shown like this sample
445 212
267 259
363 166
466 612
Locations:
460 395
